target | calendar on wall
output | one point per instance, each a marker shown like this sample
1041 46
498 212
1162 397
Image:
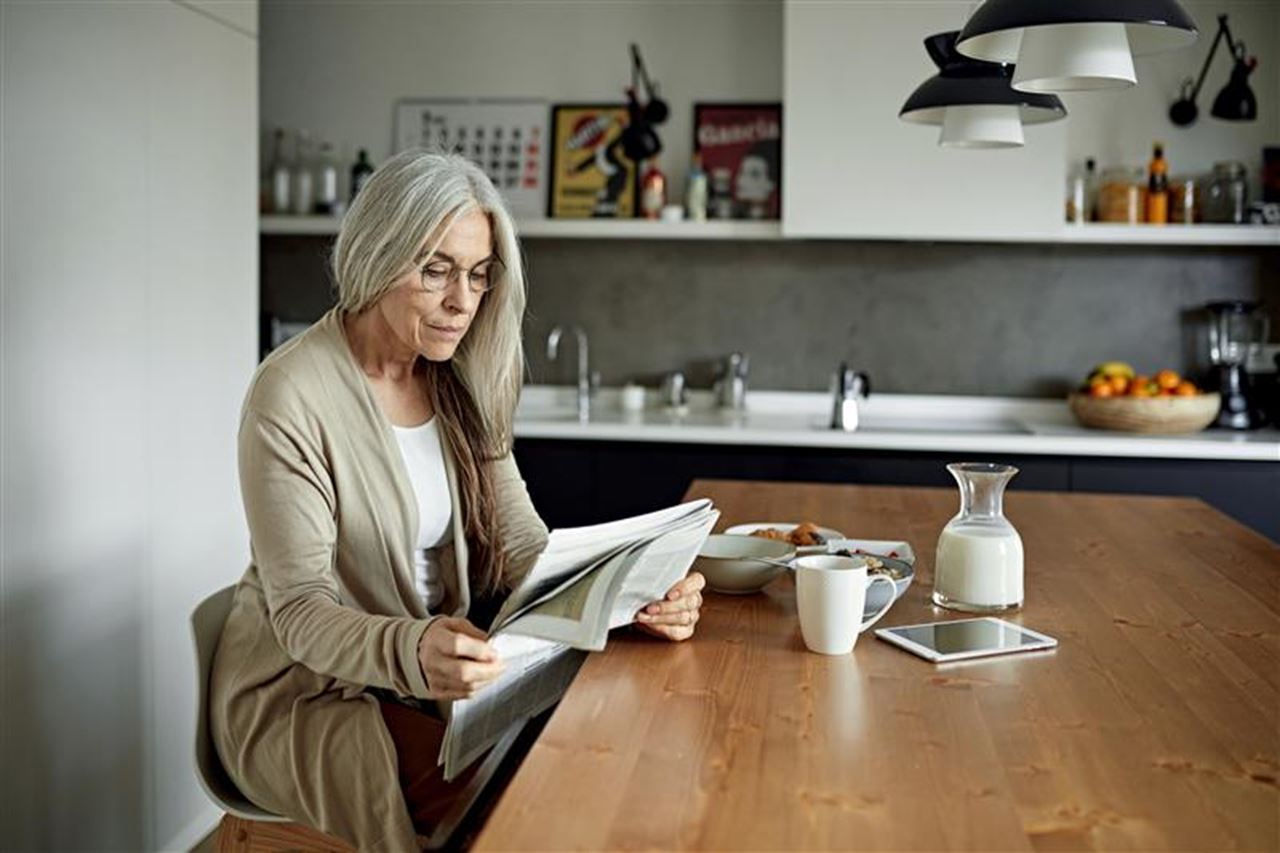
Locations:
507 138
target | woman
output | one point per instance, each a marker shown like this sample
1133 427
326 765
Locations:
382 500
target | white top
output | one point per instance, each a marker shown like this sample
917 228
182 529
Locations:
424 460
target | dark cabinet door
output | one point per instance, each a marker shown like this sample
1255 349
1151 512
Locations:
1247 491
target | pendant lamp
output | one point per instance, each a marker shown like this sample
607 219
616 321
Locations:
1074 45
973 102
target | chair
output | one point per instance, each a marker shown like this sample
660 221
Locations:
206 627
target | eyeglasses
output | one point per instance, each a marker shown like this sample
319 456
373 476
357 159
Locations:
436 274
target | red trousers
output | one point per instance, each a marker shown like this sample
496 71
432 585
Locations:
417 736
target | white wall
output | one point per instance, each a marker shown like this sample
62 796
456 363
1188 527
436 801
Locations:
129 293
337 69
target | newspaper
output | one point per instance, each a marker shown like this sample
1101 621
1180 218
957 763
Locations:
587 581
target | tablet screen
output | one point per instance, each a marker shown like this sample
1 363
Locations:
968 637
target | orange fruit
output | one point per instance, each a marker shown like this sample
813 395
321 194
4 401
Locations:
1101 389
1186 389
1141 386
1119 384
1168 379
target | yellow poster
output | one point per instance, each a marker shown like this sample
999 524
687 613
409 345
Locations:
590 175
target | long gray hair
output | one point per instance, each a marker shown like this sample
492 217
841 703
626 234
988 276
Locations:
397 221
414 198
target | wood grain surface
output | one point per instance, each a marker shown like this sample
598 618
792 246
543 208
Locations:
1154 725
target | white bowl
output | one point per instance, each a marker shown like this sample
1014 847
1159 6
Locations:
721 561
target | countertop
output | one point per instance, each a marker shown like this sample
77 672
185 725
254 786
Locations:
886 422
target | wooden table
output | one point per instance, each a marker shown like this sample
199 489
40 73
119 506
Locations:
1155 724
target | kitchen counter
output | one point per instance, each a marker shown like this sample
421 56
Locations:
887 422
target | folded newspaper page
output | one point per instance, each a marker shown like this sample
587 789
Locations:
587 581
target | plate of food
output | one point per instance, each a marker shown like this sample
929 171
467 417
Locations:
899 571
894 549
804 534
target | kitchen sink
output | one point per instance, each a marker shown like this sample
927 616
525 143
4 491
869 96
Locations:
777 421
971 427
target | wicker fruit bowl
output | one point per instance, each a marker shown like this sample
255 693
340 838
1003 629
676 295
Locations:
1152 415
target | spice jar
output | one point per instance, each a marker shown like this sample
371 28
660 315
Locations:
1121 195
1226 197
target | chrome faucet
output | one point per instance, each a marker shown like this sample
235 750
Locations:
731 382
584 366
847 387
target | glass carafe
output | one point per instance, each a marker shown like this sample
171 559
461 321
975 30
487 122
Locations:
979 561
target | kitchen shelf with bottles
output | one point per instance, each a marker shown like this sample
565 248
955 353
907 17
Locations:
620 229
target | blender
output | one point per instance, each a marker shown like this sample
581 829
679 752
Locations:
1236 329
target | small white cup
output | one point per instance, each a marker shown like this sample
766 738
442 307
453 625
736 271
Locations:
831 592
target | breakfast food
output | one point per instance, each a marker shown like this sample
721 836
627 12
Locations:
805 533
1118 379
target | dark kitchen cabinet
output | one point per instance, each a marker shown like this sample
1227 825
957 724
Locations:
585 482
1246 491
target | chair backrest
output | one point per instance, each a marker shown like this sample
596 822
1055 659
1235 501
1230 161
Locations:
206 627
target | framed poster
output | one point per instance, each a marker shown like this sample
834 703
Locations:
741 148
590 176
506 138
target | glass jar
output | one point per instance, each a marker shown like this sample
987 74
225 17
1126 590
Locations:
979 560
1184 200
1226 196
1121 195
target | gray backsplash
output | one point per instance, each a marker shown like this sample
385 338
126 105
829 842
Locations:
918 317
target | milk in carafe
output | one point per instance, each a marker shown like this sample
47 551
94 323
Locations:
979 558
979 567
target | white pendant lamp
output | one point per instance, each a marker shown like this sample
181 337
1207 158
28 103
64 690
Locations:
1074 58
1074 45
981 126
972 100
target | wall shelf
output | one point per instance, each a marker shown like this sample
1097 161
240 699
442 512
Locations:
642 229
604 229
1171 235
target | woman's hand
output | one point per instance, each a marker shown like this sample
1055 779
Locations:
675 616
455 659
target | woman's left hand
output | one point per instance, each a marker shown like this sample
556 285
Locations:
675 616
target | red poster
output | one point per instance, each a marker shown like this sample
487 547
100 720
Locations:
741 148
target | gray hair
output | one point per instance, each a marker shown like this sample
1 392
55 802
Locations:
413 198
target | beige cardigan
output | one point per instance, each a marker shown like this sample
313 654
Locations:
327 606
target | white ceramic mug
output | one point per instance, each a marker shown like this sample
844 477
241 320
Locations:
831 592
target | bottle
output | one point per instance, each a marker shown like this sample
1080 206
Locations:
721 194
326 182
1158 188
653 191
303 179
281 180
695 196
1080 194
360 172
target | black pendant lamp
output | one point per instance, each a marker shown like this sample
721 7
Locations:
973 102
1074 45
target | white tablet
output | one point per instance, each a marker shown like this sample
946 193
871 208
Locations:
965 638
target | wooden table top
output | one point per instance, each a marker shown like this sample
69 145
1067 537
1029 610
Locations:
1155 724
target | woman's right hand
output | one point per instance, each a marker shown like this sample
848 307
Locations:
455 659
